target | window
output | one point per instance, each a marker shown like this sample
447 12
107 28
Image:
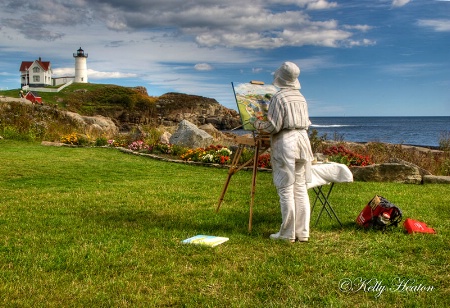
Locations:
36 70
36 78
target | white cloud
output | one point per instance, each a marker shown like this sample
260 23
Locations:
309 4
318 63
408 69
363 42
92 74
399 3
320 5
203 67
440 25
232 23
362 28
63 72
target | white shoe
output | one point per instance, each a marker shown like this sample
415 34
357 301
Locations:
302 239
277 236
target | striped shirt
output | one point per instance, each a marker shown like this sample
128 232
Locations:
287 110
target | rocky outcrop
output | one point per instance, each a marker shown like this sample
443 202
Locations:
388 172
189 135
95 125
39 115
130 107
436 179
175 107
422 171
403 172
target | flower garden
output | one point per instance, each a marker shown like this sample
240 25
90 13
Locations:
340 152
218 154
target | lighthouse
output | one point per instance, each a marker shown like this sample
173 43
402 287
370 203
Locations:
80 66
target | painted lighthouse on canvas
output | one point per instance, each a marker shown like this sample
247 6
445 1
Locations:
80 66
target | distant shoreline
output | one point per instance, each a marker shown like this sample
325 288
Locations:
241 132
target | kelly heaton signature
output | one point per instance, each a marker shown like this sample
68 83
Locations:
377 286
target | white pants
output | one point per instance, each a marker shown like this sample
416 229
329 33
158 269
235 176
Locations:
295 206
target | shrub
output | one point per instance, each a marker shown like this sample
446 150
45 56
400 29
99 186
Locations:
246 155
264 161
161 148
83 140
445 168
101 141
444 141
317 142
341 154
153 136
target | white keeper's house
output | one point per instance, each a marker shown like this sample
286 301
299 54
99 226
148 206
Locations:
38 73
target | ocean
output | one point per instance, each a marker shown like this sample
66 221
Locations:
420 131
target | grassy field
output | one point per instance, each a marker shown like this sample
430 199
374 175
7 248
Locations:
94 227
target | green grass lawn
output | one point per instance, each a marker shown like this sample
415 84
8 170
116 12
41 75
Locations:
94 227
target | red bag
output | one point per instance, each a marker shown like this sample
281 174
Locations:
413 226
379 213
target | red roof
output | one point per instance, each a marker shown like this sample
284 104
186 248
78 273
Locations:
26 65
32 94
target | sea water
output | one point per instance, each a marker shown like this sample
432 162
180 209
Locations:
421 131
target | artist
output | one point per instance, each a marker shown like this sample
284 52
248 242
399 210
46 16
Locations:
291 154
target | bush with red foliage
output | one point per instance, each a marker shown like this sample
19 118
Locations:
341 154
264 161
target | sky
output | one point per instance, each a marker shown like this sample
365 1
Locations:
357 58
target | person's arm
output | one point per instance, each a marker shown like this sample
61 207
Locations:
274 121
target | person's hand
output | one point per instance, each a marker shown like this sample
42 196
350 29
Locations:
252 121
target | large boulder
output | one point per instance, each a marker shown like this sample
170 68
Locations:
189 135
388 172
95 125
433 179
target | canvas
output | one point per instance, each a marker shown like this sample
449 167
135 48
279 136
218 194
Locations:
252 101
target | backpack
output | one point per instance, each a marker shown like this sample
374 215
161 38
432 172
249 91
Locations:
379 214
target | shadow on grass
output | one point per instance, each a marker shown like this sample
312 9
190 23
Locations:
185 222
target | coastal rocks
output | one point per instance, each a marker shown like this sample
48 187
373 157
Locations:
422 171
96 125
40 115
173 108
388 172
189 135
435 179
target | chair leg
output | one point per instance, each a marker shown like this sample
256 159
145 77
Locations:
320 195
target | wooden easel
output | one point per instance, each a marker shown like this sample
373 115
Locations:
258 142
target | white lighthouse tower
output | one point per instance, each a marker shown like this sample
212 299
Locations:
80 66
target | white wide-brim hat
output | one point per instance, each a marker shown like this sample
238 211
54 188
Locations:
286 76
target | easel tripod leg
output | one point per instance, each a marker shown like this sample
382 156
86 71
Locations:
231 171
253 190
